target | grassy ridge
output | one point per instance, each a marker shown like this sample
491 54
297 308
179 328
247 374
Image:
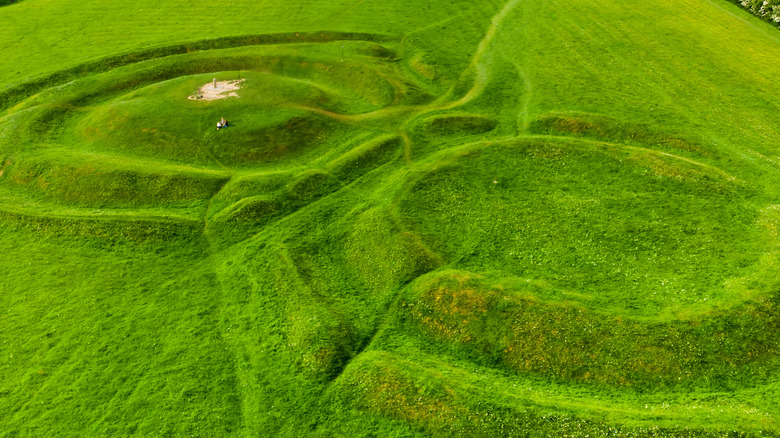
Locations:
425 219
155 25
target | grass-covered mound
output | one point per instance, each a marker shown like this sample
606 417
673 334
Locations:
423 219
611 227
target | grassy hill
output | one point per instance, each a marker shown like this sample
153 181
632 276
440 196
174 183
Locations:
466 218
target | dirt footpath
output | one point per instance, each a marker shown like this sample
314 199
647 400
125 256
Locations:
222 90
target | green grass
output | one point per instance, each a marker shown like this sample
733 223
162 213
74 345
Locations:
520 219
623 226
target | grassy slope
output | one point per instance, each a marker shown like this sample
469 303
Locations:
510 219
47 36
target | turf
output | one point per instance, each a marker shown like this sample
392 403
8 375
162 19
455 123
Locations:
434 219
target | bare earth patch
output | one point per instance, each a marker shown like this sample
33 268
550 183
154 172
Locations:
222 90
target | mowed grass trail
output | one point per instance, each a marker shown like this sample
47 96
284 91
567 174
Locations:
515 219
